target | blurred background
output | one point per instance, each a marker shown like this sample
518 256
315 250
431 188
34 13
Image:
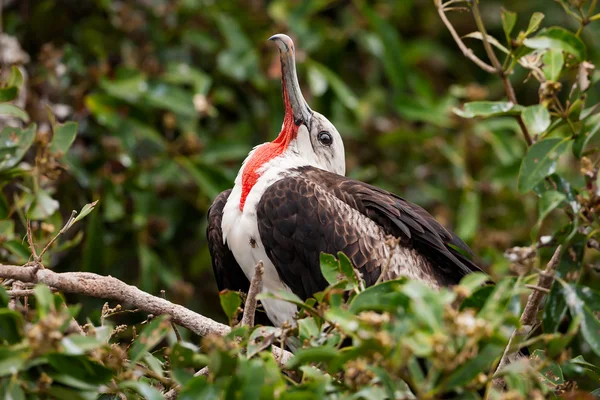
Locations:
170 95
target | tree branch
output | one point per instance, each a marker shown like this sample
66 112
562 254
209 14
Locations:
495 68
107 287
467 52
255 288
528 317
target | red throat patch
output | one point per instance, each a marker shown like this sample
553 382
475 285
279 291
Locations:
269 151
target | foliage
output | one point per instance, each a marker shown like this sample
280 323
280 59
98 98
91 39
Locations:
151 106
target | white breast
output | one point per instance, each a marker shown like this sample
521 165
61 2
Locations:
240 233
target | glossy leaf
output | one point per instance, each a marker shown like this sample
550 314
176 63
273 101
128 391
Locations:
553 64
486 109
540 161
230 302
64 136
536 118
509 20
16 77
558 39
549 201
13 111
152 334
11 326
19 140
590 325
8 93
143 389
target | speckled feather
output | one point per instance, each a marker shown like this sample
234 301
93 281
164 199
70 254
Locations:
313 211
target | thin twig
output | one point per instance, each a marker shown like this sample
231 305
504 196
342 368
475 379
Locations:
528 317
461 45
255 288
177 334
16 292
30 241
62 230
495 68
508 88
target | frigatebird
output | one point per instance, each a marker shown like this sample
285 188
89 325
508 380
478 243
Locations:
291 202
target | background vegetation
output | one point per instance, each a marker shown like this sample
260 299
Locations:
168 98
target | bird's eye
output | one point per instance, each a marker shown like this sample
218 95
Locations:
325 138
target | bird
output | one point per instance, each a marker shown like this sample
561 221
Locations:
291 202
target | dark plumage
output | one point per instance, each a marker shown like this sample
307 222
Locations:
308 212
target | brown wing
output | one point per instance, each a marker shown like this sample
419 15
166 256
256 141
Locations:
315 211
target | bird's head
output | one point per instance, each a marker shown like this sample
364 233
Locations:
308 133
306 137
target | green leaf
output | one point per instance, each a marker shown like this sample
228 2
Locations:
571 262
12 359
4 297
590 128
339 87
330 268
590 325
548 202
11 326
536 118
152 334
44 298
130 88
8 94
509 20
491 40
473 367
78 344
230 302
16 77
558 39
13 111
307 329
487 109
313 355
143 389
88 208
553 64
64 136
534 23
80 368
540 161
468 214
172 98
10 389
552 374
20 140
42 206
4 208
386 296
282 295
186 355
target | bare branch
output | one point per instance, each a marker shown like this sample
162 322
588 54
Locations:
461 45
107 287
255 288
495 68
528 317
15 292
508 88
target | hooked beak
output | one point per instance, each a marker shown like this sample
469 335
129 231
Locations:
291 88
